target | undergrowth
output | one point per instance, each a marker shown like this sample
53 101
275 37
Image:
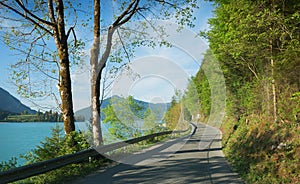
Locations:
263 151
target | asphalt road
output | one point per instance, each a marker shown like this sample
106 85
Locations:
193 159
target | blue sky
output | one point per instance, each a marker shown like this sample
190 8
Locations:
151 76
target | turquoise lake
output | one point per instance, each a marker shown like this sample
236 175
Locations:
20 138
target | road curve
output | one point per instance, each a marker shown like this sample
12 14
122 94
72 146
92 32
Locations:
194 159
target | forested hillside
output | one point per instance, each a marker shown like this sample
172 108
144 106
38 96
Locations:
10 105
257 45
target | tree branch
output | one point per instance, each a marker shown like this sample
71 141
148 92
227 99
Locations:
73 32
256 76
34 56
43 71
124 48
168 3
26 17
32 15
131 13
72 28
129 10
51 12
29 33
105 55
12 19
123 18
148 21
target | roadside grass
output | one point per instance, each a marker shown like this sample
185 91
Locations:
263 151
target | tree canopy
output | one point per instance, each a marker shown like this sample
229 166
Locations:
256 44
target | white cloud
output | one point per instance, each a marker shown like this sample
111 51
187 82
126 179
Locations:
159 77
152 89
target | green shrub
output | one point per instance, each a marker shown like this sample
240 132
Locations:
5 165
58 144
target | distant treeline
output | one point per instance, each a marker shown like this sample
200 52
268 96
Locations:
47 116
4 114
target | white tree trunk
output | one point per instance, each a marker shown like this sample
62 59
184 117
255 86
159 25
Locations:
95 87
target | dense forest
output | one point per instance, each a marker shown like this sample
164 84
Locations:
256 44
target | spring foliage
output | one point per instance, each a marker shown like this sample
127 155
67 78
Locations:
257 45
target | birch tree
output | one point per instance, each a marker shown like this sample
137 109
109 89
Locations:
135 10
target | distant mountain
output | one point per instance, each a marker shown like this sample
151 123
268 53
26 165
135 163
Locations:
159 108
11 105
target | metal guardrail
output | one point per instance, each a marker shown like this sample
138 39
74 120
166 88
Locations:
27 171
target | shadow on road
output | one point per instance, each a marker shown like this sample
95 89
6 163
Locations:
174 162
